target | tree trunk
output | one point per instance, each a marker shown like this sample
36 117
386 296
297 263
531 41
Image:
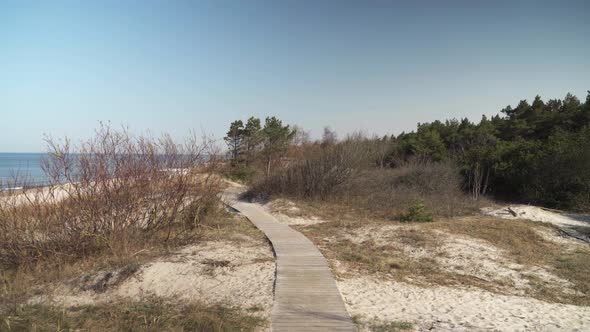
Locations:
477 180
235 152
486 181
268 162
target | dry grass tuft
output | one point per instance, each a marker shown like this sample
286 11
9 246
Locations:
150 315
521 240
390 326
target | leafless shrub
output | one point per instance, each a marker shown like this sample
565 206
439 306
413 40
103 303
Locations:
113 192
320 172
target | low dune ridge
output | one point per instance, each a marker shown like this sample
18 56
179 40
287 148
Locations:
237 274
453 309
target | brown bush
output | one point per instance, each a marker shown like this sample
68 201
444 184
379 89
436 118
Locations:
349 173
114 192
319 173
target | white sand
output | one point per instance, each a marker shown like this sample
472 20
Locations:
189 275
451 309
464 255
49 194
246 281
287 212
569 223
437 308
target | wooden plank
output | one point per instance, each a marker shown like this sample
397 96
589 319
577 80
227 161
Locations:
306 296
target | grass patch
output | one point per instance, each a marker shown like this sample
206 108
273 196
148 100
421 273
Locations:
575 267
520 242
384 259
520 239
212 264
152 315
368 256
523 243
228 225
390 327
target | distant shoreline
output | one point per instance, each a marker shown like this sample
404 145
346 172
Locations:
21 169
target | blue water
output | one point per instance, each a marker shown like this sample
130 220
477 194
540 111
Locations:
24 167
24 170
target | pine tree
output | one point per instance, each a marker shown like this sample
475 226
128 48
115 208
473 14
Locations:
235 139
252 137
276 139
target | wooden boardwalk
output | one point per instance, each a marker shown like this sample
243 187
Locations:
306 295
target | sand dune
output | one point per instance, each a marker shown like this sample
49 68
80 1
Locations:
452 309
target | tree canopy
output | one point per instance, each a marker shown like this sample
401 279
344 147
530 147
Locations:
535 152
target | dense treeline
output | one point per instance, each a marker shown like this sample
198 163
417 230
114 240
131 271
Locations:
536 153
533 153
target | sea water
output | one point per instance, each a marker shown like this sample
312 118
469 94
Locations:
24 168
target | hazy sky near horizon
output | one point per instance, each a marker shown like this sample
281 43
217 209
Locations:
380 66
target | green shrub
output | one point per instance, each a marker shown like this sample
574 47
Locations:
417 212
241 172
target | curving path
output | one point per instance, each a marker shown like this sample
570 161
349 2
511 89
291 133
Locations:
306 295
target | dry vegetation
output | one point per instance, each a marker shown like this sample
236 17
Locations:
114 203
410 232
494 255
108 194
22 288
149 315
377 326
346 177
364 205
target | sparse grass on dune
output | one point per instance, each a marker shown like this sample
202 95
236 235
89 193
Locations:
379 326
149 315
18 285
523 243
518 241
390 327
228 225
521 239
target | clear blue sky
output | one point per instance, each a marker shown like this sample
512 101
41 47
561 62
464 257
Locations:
380 66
